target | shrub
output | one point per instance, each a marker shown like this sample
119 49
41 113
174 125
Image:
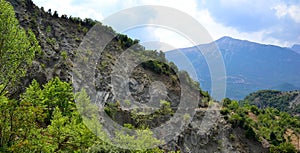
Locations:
283 148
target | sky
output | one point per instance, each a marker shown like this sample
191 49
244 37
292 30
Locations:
275 22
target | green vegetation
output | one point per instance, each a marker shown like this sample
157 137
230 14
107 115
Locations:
189 81
158 67
64 55
283 148
17 48
140 119
42 120
269 124
48 29
46 120
86 22
125 41
274 99
51 41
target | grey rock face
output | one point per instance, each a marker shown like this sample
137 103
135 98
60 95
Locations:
60 38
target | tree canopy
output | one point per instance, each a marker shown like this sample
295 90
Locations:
17 48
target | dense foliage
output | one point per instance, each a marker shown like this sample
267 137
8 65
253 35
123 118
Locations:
280 129
17 48
275 99
46 120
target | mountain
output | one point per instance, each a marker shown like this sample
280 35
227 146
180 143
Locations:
288 101
44 118
285 87
249 66
296 48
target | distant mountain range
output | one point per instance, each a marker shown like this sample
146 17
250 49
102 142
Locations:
296 48
249 66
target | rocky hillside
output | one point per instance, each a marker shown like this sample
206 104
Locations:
56 36
60 37
284 101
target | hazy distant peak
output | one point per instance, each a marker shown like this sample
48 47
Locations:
249 66
296 48
229 43
229 40
225 39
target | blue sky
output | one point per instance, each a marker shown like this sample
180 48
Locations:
274 22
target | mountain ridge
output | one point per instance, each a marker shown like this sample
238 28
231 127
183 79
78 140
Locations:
249 66
296 48
59 38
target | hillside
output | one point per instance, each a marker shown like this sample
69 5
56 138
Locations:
273 128
43 114
249 66
283 101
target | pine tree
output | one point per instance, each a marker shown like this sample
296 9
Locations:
17 48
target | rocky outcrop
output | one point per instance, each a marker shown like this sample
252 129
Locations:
209 132
56 36
60 38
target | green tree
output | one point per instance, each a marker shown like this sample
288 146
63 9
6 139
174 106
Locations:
84 106
19 125
250 133
234 105
4 122
226 102
142 141
17 48
33 94
26 133
273 139
58 94
285 147
58 130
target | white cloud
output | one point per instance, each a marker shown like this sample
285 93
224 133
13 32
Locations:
218 30
281 10
187 6
71 9
292 11
171 38
215 29
99 9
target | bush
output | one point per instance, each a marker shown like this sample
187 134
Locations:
232 137
250 134
224 111
283 148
